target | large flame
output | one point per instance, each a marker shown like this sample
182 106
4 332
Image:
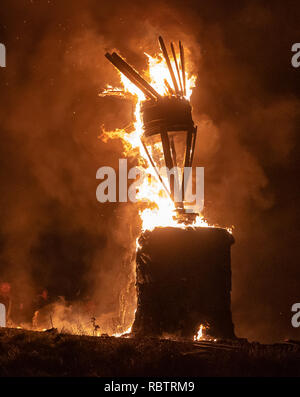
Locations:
161 210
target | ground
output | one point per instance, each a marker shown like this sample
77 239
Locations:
28 353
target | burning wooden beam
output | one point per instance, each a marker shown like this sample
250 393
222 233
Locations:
169 88
182 66
132 75
155 169
177 68
166 56
162 114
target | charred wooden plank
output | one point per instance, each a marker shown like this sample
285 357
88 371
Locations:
136 75
193 146
187 156
169 88
168 159
182 66
166 56
176 65
132 75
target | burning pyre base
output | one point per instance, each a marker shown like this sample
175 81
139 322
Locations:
184 280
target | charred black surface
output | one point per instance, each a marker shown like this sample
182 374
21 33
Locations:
184 280
172 114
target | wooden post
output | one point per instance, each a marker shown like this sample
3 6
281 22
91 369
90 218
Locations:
182 66
177 68
166 56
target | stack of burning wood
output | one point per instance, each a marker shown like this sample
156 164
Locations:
183 273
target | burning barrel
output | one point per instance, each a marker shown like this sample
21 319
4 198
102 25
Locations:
184 280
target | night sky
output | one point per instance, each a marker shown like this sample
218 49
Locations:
54 235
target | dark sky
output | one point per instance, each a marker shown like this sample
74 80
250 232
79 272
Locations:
54 234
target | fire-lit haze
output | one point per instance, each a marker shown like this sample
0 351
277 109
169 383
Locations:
68 261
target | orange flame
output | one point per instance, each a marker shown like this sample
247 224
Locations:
160 214
199 334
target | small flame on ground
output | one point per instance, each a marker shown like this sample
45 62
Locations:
118 335
199 334
202 335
